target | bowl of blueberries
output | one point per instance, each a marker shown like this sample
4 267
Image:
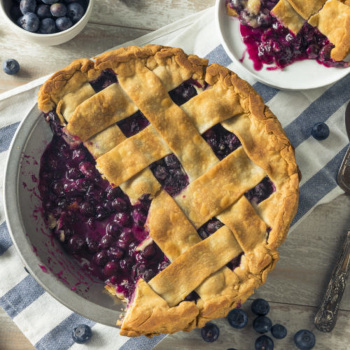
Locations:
46 22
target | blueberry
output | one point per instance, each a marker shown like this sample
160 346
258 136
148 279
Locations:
260 307
29 22
10 66
279 331
27 6
58 9
43 11
237 318
47 26
264 343
304 340
262 324
75 11
110 269
320 131
81 334
49 2
210 332
63 23
148 275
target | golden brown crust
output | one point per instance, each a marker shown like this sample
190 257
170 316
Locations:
307 8
254 230
335 12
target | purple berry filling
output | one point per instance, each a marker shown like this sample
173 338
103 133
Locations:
261 191
222 141
209 228
170 174
94 222
184 92
133 124
269 42
106 78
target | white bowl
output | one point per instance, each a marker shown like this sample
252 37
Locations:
57 272
45 39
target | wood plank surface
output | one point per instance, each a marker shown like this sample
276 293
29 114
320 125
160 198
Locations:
295 287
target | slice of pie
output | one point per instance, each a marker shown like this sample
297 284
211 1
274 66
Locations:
282 32
169 179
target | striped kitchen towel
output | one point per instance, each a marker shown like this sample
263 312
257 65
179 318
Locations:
46 322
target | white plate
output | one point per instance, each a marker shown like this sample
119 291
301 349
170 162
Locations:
307 74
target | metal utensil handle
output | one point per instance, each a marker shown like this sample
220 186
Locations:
326 316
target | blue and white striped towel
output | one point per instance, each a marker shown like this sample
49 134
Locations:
47 323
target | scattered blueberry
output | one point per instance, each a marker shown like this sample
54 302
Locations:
81 334
29 22
278 331
262 324
58 9
210 332
10 66
63 23
75 11
27 6
237 318
264 343
47 26
260 307
320 131
304 340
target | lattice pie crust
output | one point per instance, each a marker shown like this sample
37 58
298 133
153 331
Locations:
216 189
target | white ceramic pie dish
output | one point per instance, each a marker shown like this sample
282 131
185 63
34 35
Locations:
54 270
302 75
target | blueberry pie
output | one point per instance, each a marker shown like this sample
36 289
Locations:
281 32
168 179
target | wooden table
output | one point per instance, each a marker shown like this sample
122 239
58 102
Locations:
295 287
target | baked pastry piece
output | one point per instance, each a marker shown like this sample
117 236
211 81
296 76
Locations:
199 183
334 12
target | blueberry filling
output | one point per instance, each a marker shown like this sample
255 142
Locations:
222 141
133 124
106 78
168 171
269 42
94 222
261 191
209 228
184 92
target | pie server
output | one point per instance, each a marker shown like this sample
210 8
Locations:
326 316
